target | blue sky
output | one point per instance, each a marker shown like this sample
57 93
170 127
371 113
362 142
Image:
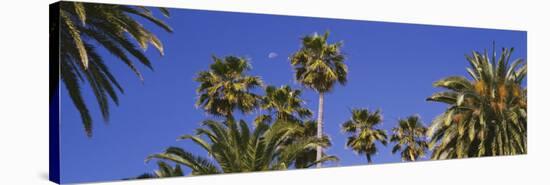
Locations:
391 67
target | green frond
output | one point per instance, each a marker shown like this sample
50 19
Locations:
165 12
444 97
455 83
77 39
73 87
149 16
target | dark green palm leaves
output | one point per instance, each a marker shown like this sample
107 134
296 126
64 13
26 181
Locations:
226 87
284 104
235 148
364 132
409 136
83 27
487 116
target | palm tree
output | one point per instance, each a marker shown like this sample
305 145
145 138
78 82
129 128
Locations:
363 131
487 115
319 66
309 155
227 86
409 136
233 147
85 26
283 103
165 170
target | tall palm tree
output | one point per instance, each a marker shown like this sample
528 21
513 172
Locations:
364 132
410 138
233 147
319 66
85 26
165 170
487 114
226 86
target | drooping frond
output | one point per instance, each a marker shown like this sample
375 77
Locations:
85 26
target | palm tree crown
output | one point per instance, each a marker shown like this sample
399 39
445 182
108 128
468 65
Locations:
409 136
363 131
487 116
318 64
235 148
226 86
83 27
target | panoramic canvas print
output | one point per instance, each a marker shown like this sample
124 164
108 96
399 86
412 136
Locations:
148 92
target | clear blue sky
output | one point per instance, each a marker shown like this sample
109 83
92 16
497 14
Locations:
391 67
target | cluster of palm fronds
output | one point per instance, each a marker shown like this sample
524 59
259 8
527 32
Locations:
487 116
85 26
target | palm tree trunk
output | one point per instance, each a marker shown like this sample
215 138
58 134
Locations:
320 127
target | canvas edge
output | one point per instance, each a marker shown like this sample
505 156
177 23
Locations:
54 148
